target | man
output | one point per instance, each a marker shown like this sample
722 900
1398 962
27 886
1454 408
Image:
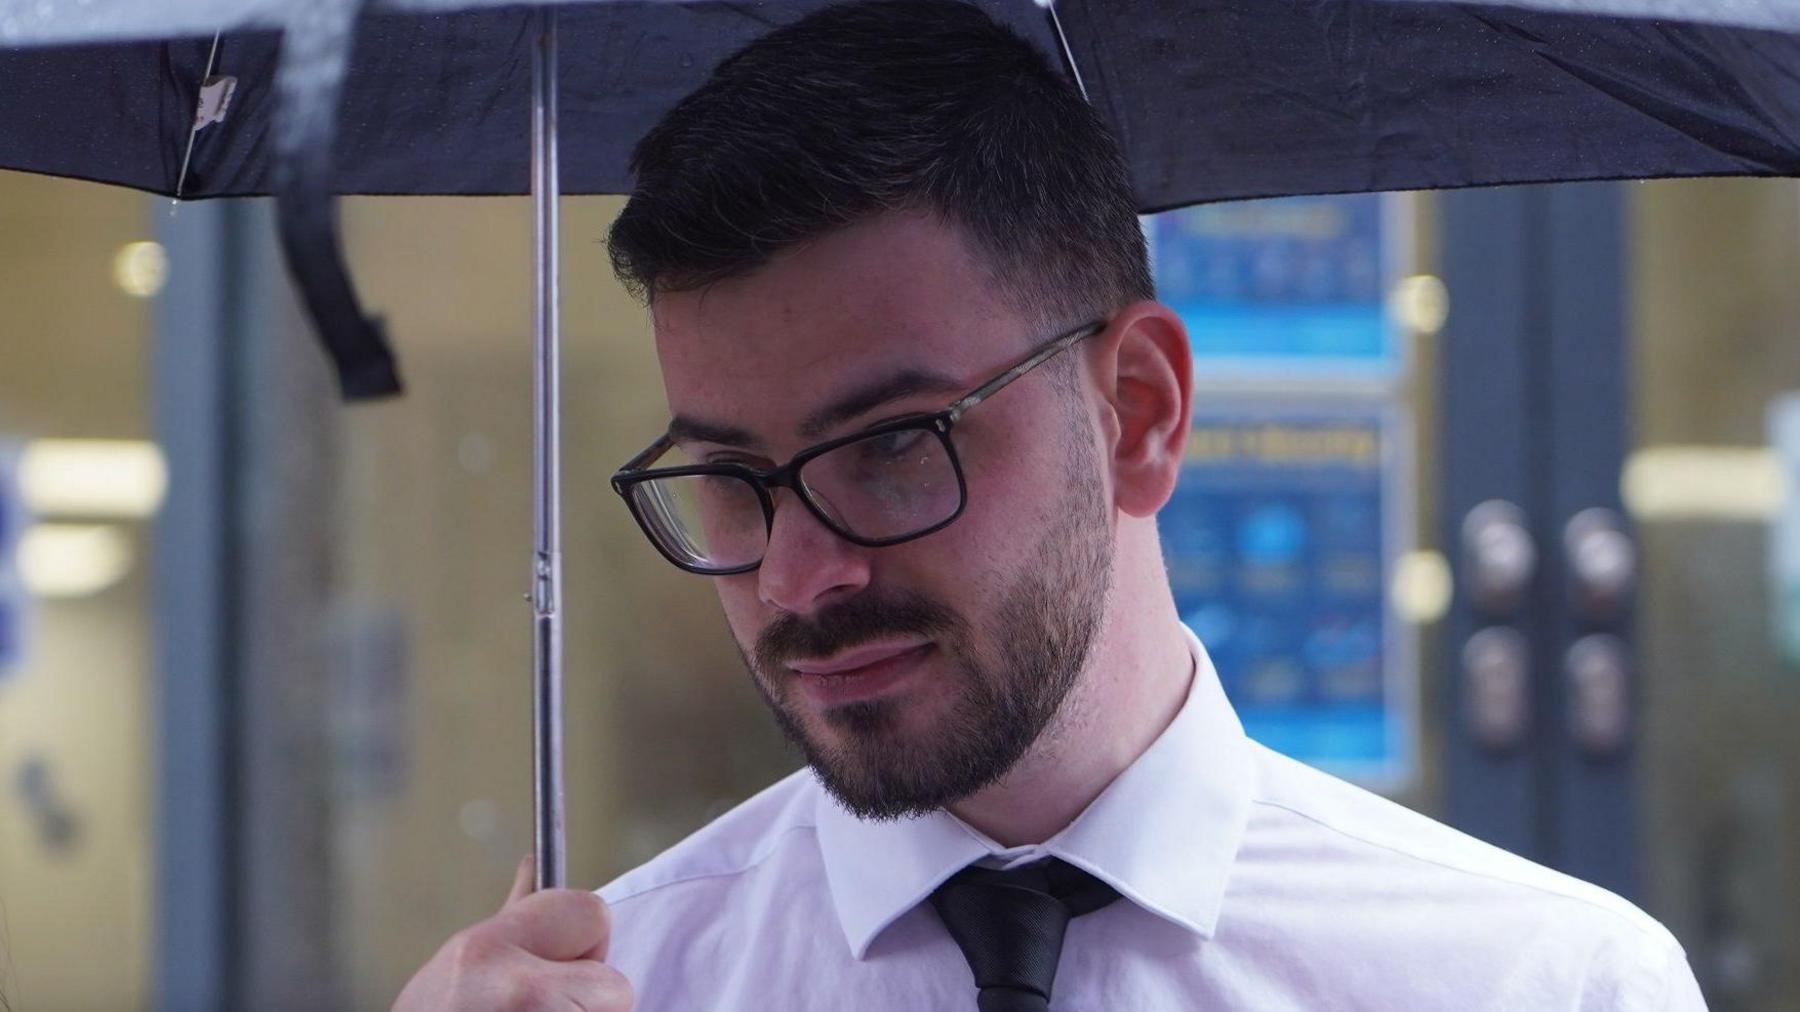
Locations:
925 409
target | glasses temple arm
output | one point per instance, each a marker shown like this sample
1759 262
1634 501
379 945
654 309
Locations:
648 457
1030 362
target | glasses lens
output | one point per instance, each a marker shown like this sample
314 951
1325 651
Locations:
709 521
887 485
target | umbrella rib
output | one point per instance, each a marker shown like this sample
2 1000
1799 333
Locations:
181 180
1049 7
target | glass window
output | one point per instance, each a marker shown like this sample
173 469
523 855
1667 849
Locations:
1715 365
79 484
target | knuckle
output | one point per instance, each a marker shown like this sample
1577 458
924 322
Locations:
579 898
470 950
583 908
620 992
594 906
605 989
532 993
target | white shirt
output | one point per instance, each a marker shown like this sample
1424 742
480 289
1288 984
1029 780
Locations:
1248 881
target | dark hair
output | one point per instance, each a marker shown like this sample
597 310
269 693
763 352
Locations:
900 105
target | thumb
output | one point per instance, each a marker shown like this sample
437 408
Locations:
524 881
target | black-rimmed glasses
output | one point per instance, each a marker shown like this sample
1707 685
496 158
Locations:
886 484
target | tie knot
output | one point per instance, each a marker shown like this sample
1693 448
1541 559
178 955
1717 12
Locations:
1010 924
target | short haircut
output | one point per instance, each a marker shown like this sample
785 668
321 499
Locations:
921 106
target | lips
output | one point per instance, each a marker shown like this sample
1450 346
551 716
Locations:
859 674
852 662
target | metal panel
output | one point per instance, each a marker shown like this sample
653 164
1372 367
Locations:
1592 804
1490 351
196 844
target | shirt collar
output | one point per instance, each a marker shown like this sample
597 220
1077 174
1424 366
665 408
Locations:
1163 833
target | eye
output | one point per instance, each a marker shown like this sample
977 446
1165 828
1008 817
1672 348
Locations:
893 445
735 460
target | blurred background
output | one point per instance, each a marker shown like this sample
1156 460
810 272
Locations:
1491 506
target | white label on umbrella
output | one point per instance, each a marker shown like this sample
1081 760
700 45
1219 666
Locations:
215 99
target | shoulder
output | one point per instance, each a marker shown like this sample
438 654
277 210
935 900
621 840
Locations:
1405 887
1338 823
688 926
740 841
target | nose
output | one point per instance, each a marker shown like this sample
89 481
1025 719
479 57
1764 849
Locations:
807 565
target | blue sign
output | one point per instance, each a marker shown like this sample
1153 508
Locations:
1293 287
12 596
1279 540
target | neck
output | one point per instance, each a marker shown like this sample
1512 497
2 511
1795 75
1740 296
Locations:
1137 676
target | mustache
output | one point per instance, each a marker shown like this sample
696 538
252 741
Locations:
850 623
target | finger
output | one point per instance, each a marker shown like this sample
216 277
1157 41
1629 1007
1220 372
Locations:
583 984
524 881
557 924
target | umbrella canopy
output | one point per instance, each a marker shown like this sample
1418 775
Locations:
1211 99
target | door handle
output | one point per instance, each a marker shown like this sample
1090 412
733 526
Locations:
1602 563
1499 557
1497 687
1598 669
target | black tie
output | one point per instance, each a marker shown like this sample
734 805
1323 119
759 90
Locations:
1009 925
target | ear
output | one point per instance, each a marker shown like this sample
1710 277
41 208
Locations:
1146 376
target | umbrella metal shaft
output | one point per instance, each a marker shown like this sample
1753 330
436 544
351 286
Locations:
546 582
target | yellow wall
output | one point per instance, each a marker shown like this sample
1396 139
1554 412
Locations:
75 926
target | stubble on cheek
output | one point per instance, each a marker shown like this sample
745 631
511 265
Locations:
969 722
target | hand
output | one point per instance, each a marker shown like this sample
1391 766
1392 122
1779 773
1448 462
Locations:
543 950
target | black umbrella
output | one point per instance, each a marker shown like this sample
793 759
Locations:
1212 100
1215 100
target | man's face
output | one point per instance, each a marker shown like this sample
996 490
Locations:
912 675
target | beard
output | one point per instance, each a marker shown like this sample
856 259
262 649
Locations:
1009 672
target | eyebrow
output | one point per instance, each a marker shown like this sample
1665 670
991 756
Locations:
858 401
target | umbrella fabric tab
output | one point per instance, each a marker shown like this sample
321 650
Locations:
215 100
315 55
